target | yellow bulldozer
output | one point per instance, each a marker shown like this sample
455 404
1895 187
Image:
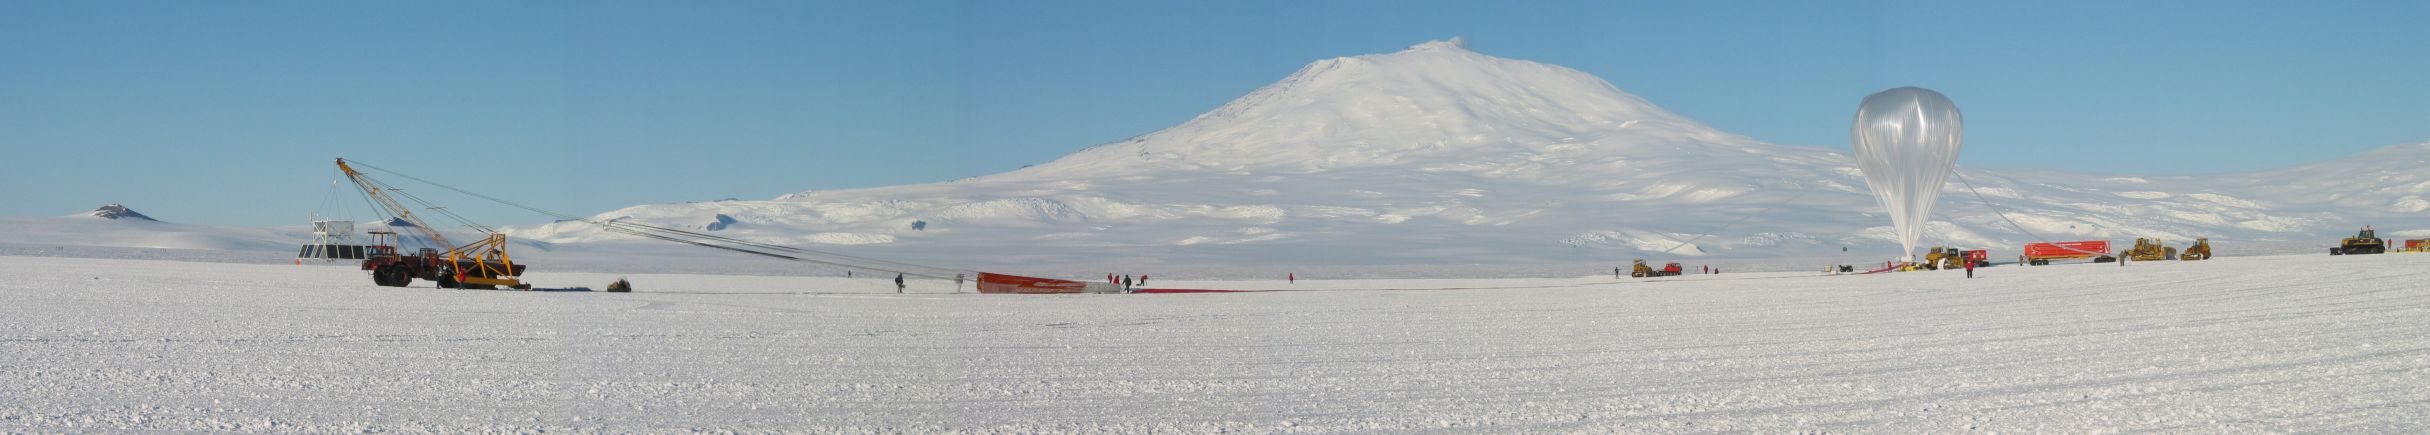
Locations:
2200 251
2365 242
2149 250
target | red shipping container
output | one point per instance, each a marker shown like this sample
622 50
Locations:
2064 250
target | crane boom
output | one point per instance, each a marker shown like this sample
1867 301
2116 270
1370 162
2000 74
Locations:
371 189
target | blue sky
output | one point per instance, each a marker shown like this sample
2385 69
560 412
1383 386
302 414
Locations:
228 113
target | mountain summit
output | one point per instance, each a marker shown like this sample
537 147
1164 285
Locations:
115 212
1385 109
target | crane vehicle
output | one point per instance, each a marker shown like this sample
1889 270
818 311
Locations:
1953 258
1938 257
1980 257
480 264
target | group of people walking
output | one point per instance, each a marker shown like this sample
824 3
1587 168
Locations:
1128 284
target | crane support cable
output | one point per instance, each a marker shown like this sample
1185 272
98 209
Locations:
630 228
379 192
1995 210
693 238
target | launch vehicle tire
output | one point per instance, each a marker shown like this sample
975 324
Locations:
388 276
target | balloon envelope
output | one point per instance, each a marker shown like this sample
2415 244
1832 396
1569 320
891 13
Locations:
1906 143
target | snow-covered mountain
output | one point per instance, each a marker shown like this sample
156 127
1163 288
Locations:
115 212
1440 155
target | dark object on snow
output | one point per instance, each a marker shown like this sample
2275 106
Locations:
620 286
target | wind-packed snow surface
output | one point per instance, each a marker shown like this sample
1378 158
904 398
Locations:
2248 344
1441 155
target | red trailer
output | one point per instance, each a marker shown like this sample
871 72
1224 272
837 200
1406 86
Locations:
2038 254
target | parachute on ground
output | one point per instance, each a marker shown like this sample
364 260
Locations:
1906 142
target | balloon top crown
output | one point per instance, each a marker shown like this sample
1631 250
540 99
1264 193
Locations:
1907 116
1907 98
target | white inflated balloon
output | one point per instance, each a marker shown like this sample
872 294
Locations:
1906 143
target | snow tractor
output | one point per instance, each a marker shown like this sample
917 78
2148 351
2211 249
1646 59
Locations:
2200 251
2365 242
1644 271
482 264
2149 250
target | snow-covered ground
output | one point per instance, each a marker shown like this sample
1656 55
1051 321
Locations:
2308 343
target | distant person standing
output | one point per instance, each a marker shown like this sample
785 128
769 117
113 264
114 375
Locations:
1294 277
1126 283
898 283
957 283
1969 269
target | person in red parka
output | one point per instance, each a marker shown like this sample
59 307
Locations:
1969 269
